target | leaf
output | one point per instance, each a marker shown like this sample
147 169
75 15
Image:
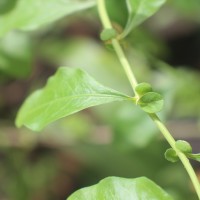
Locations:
117 12
139 11
183 146
171 155
151 102
31 14
115 188
67 92
194 156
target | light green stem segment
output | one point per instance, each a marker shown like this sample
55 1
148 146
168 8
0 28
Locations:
181 156
107 25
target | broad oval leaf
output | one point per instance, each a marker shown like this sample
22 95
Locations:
115 188
139 11
68 91
31 14
151 102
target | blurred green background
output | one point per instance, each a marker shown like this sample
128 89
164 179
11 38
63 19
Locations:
111 140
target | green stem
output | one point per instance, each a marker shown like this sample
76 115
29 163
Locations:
107 25
182 157
124 63
122 58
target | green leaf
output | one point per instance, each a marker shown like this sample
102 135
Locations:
31 14
183 146
194 156
171 155
108 34
151 102
139 11
115 188
143 88
67 92
117 12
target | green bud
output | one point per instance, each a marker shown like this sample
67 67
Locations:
151 102
171 155
143 88
183 146
108 34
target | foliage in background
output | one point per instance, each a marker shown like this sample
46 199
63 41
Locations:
60 48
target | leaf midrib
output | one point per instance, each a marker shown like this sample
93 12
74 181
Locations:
77 96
